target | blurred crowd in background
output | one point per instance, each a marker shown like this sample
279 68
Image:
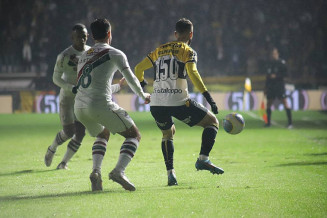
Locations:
231 37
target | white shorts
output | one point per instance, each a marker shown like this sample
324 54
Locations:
66 111
95 119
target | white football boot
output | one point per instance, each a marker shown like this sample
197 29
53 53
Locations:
96 180
48 157
62 166
120 178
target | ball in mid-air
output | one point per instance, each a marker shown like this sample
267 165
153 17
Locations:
233 123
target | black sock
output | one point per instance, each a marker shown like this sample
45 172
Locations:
208 139
167 148
289 116
269 115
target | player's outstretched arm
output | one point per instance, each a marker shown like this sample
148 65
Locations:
116 87
57 76
135 85
140 68
198 83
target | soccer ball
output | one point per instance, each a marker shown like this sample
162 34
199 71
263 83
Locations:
233 123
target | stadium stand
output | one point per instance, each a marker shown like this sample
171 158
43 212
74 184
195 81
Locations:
232 36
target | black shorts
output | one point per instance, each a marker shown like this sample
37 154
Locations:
277 91
191 114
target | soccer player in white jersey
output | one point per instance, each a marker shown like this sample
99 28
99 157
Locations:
96 110
65 76
172 63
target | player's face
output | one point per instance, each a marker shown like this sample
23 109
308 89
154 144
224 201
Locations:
80 37
275 54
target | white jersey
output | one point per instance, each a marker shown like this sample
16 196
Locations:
65 71
96 69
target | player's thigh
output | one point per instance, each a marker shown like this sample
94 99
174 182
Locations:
66 111
162 116
116 121
191 113
86 117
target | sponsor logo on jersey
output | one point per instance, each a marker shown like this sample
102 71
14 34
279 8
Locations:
90 51
187 120
161 124
166 90
168 51
73 60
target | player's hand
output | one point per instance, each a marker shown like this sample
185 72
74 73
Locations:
214 108
147 99
144 83
122 82
212 103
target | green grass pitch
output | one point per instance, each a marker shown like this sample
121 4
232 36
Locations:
274 172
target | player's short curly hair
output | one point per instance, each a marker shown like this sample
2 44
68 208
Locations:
183 25
100 28
78 26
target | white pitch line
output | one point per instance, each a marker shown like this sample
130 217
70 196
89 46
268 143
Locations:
255 116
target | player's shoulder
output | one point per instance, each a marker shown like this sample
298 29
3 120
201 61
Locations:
176 45
115 52
65 52
187 53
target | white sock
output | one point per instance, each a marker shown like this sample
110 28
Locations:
72 148
203 157
127 152
61 137
122 162
98 151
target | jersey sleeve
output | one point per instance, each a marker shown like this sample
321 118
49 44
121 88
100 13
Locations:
153 56
115 88
145 64
58 72
124 68
195 76
191 56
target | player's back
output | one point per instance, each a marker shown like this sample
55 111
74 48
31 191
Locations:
170 84
96 69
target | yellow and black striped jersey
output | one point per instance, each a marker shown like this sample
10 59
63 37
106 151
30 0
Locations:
172 62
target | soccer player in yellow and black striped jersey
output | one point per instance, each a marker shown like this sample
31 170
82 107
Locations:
172 63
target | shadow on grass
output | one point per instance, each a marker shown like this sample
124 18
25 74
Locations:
304 163
85 193
25 172
67 194
317 154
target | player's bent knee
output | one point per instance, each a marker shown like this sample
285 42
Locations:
69 130
105 134
169 133
211 120
132 132
80 131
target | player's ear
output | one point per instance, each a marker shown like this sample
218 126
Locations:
191 35
176 34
